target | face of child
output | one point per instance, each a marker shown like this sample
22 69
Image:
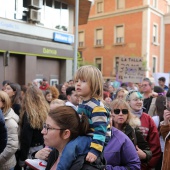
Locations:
49 97
83 89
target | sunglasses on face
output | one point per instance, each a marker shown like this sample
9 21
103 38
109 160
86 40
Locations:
117 111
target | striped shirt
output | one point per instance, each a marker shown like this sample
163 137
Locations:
99 126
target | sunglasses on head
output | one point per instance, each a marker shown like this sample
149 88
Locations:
117 111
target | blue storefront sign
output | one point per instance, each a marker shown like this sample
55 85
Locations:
64 38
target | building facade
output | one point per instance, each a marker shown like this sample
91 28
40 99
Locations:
36 39
129 28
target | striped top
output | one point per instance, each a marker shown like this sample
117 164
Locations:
99 124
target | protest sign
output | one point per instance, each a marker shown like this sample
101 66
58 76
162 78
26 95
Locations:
130 69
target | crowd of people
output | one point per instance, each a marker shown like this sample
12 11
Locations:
85 123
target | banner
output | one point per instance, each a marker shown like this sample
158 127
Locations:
156 76
130 69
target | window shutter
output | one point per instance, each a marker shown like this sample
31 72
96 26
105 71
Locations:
81 37
99 34
119 31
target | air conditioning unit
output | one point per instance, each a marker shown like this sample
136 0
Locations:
34 15
37 4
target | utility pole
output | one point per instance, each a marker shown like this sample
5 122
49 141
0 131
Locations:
76 34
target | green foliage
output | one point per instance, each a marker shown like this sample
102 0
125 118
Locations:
144 64
83 63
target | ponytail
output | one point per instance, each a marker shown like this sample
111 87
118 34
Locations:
84 124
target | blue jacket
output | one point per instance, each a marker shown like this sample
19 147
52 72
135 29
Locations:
120 153
75 148
3 133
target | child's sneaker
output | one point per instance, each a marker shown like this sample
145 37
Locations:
36 164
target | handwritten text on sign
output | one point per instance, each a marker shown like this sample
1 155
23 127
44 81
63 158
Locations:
130 69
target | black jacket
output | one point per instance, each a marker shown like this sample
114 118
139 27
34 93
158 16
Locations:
137 138
29 138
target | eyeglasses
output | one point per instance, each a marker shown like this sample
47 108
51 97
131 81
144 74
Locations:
117 111
144 85
46 128
137 100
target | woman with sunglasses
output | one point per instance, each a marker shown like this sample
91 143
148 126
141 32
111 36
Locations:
125 121
147 127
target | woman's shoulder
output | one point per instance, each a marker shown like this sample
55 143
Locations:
12 116
118 136
117 141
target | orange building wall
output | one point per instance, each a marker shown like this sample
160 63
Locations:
110 6
133 34
167 49
132 46
132 4
155 49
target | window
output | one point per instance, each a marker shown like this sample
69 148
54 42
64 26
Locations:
155 3
120 4
154 63
60 14
99 7
155 33
81 39
12 11
99 37
119 37
54 13
98 62
116 64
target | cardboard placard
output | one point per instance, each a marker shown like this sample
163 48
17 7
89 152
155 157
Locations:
130 69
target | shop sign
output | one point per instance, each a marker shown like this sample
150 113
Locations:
63 38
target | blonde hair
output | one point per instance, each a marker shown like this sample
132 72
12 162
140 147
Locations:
6 102
58 101
93 76
36 107
121 90
121 104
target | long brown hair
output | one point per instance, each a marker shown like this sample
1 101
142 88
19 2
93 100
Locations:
36 107
67 118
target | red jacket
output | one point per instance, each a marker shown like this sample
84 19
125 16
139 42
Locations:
42 87
151 135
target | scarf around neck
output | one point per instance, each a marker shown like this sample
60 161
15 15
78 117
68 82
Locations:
138 113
